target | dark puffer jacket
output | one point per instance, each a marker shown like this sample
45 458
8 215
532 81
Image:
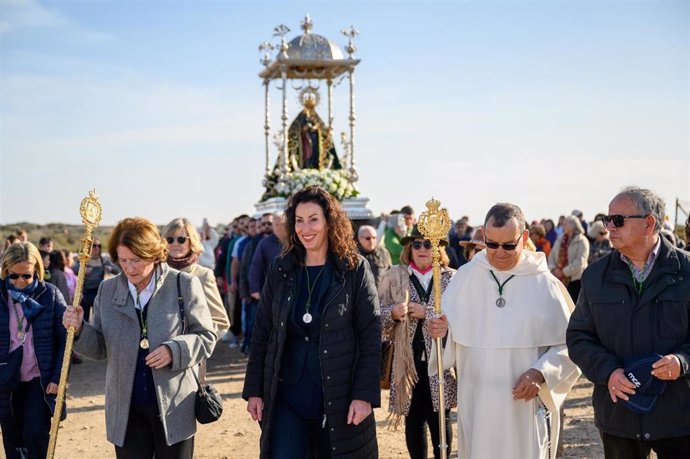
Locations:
612 322
350 350
49 339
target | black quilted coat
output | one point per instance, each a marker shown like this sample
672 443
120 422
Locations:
350 351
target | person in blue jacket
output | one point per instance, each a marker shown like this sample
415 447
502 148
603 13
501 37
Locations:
31 318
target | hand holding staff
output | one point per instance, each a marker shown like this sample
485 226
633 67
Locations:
91 212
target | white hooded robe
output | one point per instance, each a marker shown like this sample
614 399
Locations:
493 346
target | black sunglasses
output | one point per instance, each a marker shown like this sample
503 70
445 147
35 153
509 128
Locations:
619 220
496 245
418 245
15 276
179 239
96 245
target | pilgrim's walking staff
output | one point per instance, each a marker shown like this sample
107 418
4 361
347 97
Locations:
91 213
434 223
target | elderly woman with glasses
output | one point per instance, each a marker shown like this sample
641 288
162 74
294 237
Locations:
568 258
407 302
184 249
32 345
151 340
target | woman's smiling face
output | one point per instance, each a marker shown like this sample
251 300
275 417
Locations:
311 226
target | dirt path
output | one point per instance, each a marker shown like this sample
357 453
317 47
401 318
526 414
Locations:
235 436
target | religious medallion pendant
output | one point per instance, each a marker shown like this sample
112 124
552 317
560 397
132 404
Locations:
500 302
144 343
306 318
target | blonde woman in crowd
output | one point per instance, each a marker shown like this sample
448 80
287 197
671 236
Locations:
184 252
568 258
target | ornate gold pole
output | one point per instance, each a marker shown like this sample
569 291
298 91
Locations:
91 212
434 224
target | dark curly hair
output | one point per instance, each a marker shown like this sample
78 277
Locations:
341 236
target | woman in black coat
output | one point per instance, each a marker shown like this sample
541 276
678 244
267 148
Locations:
313 372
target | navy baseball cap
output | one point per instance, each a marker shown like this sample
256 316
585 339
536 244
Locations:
649 387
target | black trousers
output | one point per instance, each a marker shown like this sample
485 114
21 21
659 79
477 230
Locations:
145 437
421 415
630 448
26 431
574 289
87 299
293 437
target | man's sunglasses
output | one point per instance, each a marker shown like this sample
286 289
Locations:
15 276
508 247
98 246
179 239
619 220
419 244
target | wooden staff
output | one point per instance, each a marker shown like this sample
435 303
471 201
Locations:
434 224
91 212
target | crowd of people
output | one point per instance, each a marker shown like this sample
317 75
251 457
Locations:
313 300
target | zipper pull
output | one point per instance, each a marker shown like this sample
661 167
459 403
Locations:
323 424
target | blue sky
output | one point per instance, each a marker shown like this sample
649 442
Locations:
553 105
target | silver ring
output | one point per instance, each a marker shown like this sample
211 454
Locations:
613 388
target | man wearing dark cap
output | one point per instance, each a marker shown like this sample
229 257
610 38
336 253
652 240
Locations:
630 333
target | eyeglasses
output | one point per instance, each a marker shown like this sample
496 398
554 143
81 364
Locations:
418 245
26 276
179 239
619 220
496 245
98 246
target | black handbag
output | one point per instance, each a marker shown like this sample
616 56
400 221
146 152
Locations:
208 405
10 368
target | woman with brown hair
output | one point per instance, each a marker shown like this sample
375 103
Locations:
313 372
150 345
407 301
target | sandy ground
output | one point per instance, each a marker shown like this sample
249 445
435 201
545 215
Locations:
235 435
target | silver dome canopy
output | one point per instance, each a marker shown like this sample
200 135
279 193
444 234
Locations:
311 46
307 56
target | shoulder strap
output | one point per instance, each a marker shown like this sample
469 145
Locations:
180 303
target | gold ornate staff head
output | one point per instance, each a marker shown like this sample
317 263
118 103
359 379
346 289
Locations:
91 211
434 224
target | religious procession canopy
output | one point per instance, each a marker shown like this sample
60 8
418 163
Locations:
306 153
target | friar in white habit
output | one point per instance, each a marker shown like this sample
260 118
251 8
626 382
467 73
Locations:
505 317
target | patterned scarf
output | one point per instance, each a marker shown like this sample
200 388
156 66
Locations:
181 263
30 307
562 261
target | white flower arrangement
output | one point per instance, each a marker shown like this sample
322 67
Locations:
336 182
